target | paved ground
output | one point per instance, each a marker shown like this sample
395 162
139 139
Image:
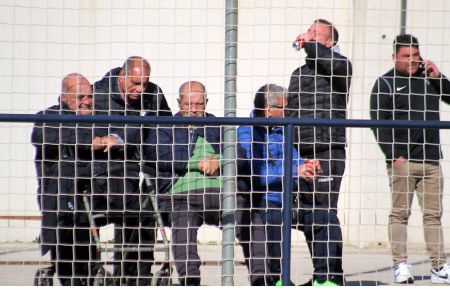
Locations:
18 263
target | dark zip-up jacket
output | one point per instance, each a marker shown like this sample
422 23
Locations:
108 101
399 97
62 162
319 90
168 149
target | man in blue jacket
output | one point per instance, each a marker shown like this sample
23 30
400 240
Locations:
264 150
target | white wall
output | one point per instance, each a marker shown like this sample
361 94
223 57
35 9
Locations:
41 41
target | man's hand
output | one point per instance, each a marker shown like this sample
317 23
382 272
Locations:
309 168
399 162
304 37
104 143
209 166
430 69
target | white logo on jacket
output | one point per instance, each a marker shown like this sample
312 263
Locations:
400 88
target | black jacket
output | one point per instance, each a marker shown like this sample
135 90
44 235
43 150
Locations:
174 147
62 162
319 89
169 156
108 101
398 97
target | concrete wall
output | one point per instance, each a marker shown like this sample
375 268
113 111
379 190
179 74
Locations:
41 41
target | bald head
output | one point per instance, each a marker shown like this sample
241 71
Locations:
76 93
192 100
134 77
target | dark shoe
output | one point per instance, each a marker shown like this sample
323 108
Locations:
260 281
190 282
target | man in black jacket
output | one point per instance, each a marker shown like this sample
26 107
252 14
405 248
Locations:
319 90
412 90
127 91
188 161
63 155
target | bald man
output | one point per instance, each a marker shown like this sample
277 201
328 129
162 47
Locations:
187 159
76 94
127 91
63 155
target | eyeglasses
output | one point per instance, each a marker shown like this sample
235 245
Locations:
276 107
193 105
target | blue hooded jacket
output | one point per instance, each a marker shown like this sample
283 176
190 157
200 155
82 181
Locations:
264 149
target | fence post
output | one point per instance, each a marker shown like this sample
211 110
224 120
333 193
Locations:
287 204
229 168
403 13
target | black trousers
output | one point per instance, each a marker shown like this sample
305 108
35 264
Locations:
73 255
130 210
324 238
324 191
317 215
251 233
132 263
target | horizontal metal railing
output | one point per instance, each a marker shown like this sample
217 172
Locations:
353 123
288 123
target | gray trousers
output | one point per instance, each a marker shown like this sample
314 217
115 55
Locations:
188 215
190 212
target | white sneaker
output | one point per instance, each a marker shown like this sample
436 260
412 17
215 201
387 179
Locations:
442 276
402 274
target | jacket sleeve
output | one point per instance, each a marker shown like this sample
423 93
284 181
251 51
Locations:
45 140
150 150
381 108
332 64
442 85
294 95
212 135
162 106
46 137
266 171
158 150
245 142
273 168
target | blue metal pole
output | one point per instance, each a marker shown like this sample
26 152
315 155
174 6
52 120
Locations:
146 120
287 204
